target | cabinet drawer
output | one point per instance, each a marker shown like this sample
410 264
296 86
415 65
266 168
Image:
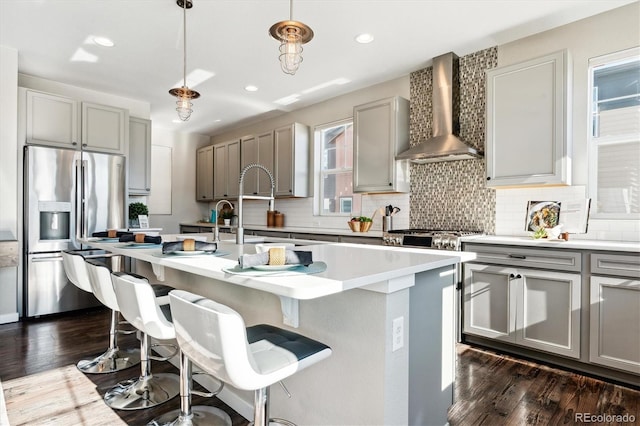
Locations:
616 264
543 259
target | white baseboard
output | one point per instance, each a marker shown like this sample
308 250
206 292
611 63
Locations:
7 318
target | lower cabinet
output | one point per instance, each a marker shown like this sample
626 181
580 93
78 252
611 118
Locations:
533 308
614 335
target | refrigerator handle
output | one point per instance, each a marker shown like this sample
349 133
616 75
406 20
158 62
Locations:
83 210
78 203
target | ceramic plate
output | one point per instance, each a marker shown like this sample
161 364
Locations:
188 253
109 240
274 267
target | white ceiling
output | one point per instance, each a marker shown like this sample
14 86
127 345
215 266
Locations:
229 38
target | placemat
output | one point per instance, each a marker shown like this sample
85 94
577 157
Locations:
140 246
183 256
314 268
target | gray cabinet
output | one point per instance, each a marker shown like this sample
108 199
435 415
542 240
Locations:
257 149
614 335
204 173
59 121
52 120
104 128
139 160
528 139
226 169
291 160
535 308
381 131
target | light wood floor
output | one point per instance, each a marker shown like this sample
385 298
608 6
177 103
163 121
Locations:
37 360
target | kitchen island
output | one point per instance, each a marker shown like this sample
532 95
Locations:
387 313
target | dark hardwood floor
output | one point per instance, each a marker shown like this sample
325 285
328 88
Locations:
491 389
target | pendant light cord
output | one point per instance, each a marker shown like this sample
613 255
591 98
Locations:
291 10
184 39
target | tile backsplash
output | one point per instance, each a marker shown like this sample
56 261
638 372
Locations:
511 207
298 212
452 194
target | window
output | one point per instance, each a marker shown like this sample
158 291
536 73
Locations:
334 152
614 136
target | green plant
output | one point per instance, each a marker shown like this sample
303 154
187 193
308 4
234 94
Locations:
361 219
136 209
226 214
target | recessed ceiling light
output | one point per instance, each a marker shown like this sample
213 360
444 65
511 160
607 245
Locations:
103 41
364 38
251 88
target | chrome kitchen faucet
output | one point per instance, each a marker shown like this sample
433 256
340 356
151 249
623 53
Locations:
241 196
216 229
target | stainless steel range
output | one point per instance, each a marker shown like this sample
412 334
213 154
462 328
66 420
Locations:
424 238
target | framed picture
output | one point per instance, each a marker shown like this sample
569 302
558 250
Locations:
143 220
542 214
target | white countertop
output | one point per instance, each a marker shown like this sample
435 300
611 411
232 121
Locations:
348 266
294 229
575 244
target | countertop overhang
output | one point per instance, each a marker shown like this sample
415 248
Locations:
575 244
349 266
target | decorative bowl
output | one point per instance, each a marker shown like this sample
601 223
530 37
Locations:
357 226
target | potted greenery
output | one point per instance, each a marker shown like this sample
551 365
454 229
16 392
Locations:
136 209
226 216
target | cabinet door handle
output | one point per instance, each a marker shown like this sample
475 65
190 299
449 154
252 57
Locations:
74 143
518 276
488 177
390 183
512 276
84 144
517 256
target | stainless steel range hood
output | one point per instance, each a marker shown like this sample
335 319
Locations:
445 145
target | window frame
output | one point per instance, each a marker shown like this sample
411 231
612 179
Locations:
319 173
595 142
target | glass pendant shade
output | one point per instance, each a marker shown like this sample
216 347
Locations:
184 104
291 52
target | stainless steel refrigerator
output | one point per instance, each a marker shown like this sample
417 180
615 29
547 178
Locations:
68 194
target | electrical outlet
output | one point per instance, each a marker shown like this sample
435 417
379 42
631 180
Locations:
397 333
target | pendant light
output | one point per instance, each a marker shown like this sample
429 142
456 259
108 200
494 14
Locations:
184 94
291 35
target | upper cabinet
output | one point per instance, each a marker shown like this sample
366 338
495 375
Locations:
257 149
139 160
226 169
291 153
52 120
381 131
204 173
528 140
104 128
64 122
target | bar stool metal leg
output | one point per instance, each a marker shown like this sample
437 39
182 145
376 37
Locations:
114 359
200 415
147 390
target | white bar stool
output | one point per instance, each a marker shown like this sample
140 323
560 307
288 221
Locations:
215 338
114 359
152 316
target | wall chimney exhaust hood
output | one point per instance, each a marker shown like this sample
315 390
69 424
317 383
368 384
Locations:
445 145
